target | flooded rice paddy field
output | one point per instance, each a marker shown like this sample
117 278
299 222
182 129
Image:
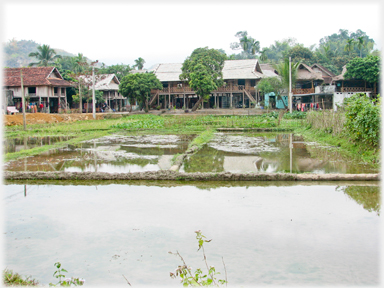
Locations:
226 152
267 233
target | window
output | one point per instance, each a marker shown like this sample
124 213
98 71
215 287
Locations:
62 91
55 90
31 90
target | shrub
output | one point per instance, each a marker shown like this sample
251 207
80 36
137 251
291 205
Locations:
363 119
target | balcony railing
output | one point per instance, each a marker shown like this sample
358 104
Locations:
303 91
355 89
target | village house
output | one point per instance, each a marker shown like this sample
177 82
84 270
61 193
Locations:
42 85
109 85
240 78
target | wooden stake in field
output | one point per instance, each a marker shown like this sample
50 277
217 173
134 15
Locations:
23 100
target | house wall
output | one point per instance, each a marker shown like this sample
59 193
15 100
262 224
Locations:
338 98
41 91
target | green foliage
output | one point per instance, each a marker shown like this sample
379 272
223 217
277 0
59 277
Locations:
137 122
363 119
295 115
301 54
367 196
198 278
283 70
203 70
45 56
138 87
66 282
249 45
139 63
367 69
14 279
270 84
120 70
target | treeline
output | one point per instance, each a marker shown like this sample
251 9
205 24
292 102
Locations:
332 52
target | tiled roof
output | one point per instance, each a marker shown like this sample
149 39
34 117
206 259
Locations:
34 76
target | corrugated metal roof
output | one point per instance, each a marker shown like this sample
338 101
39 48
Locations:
103 81
233 69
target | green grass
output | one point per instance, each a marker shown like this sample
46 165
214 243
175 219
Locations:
14 279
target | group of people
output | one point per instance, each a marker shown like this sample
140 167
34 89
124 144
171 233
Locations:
30 107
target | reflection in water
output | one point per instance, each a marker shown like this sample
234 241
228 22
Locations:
108 154
290 235
11 145
366 196
239 153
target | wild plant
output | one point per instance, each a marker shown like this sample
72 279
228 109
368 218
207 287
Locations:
66 282
198 278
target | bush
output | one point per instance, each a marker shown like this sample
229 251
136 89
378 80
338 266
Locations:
363 119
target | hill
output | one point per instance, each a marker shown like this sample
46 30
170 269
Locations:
16 52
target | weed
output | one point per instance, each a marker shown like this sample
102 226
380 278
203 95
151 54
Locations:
14 279
198 278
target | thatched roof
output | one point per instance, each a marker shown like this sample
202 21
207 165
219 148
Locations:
103 82
304 72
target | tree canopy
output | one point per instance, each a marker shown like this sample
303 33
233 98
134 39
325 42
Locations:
203 71
45 56
367 69
138 87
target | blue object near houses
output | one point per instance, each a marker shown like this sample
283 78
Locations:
279 102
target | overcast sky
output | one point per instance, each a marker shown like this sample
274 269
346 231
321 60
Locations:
116 32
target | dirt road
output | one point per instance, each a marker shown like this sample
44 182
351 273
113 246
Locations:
43 118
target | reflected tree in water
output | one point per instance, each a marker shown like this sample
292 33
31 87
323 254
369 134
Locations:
206 160
367 196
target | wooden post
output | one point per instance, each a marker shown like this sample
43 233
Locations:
23 100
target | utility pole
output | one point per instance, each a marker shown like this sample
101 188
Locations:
93 90
23 100
290 87
81 100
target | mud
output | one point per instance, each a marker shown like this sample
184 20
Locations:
44 118
178 176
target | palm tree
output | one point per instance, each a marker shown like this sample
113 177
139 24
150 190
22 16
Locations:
360 43
263 55
349 46
79 63
244 42
139 63
45 55
255 46
283 70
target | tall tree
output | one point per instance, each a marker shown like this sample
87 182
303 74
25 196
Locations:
349 46
138 87
360 43
45 55
203 72
139 63
367 69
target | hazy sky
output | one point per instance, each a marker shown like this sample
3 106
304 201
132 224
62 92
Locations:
117 32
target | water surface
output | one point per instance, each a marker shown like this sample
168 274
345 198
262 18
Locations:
268 235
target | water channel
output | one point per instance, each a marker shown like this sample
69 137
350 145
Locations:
267 233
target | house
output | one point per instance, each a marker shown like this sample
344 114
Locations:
109 85
42 85
240 78
344 88
325 73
